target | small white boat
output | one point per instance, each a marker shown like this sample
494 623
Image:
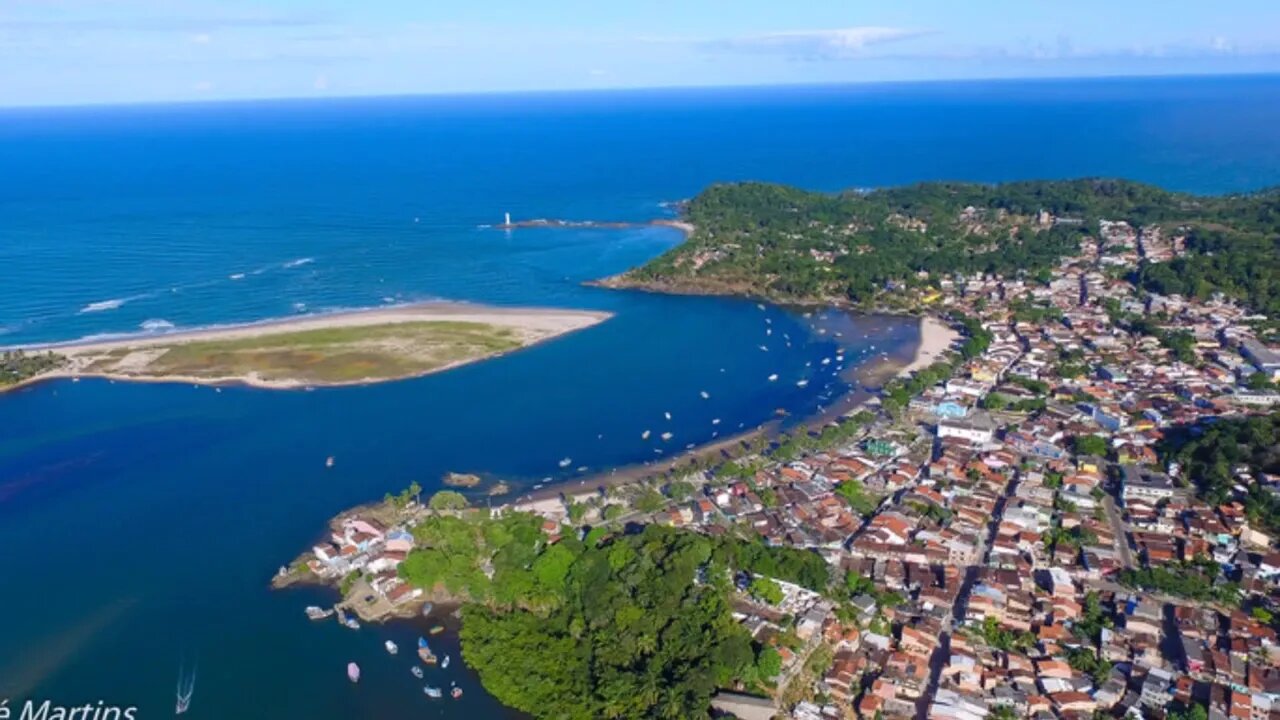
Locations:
328 462
768 331
715 421
801 383
566 462
318 613
645 435
667 415
773 377
391 647
826 361
432 692
705 395
416 671
353 672
455 693
445 662
764 349
667 436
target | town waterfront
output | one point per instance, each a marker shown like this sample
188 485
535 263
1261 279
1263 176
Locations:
154 515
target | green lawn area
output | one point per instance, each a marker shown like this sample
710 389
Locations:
331 355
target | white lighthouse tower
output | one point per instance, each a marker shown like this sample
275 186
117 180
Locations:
506 219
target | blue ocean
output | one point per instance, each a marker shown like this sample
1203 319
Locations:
141 524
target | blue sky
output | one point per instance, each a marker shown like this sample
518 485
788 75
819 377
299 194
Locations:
108 51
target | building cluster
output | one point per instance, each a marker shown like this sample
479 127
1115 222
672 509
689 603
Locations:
365 545
1010 564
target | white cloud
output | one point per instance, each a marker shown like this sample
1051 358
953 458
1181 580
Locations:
841 43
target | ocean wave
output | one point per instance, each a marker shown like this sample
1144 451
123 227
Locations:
158 325
236 276
103 305
299 262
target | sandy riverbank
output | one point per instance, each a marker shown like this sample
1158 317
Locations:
936 338
135 358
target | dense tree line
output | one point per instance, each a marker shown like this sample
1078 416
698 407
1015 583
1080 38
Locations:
17 365
610 626
642 629
779 241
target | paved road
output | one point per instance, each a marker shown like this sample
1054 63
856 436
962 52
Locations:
1118 529
941 655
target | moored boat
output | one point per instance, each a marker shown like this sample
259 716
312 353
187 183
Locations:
444 663
391 647
318 613
456 693
427 608
432 692
416 671
437 629
424 652
353 672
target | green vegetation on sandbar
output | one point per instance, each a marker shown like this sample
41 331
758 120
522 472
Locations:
17 365
328 355
618 626
781 242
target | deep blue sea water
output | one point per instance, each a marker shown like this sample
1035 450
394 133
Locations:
140 524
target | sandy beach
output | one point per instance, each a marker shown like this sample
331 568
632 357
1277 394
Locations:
131 356
936 338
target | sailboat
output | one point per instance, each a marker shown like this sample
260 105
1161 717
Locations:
186 688
353 672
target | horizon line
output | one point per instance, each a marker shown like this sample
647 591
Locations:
636 89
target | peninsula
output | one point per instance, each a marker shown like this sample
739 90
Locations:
347 348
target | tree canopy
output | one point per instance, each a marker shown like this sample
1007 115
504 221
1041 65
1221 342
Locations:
634 635
777 241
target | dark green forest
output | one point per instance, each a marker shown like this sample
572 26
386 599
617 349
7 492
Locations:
612 626
785 243
1210 456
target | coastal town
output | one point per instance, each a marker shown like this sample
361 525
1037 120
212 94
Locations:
1004 532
